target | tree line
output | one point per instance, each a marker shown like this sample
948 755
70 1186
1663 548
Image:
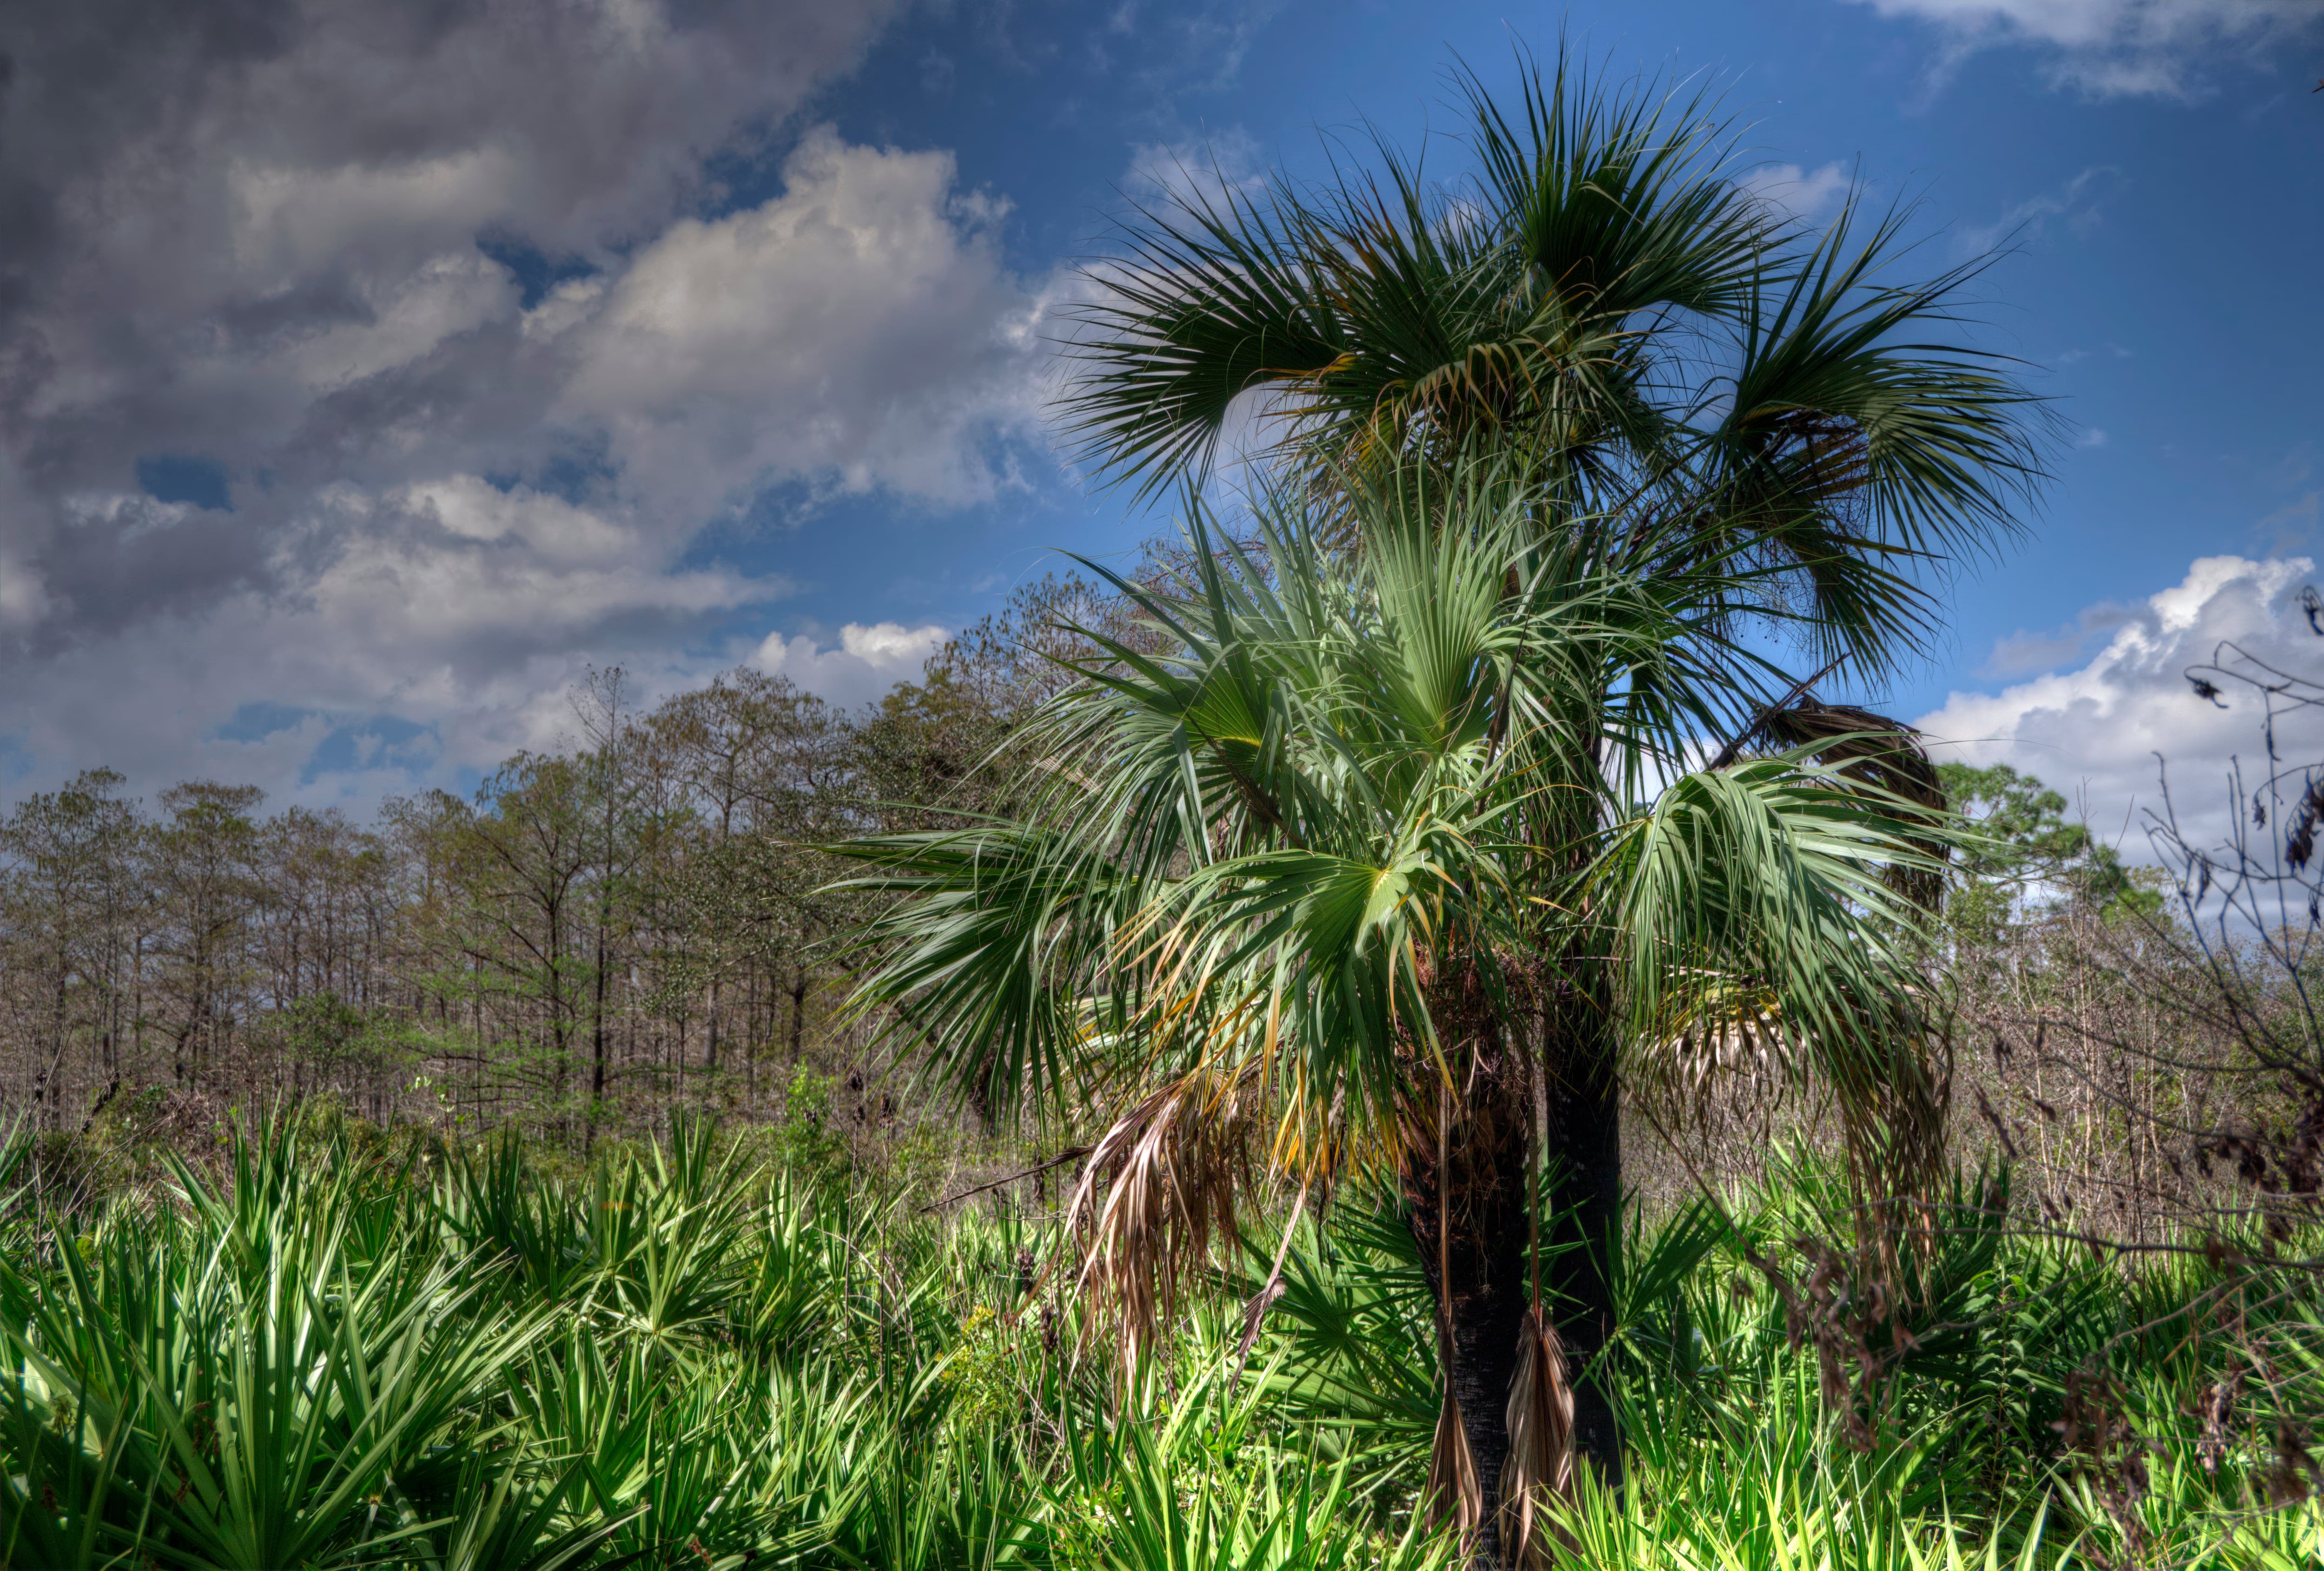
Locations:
598 932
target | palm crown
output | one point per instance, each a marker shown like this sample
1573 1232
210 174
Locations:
1260 848
1606 298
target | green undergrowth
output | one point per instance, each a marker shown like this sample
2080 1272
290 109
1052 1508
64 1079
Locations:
327 1350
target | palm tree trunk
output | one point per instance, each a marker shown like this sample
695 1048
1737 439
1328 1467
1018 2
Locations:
1480 1272
1583 1225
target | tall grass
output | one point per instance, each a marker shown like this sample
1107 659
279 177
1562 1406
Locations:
684 1356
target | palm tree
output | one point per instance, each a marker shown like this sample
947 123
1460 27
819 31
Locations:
1401 855
1290 890
1606 298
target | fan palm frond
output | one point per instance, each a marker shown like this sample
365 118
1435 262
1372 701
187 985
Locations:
1344 776
1760 906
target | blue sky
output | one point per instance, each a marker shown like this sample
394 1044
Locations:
452 357
2159 246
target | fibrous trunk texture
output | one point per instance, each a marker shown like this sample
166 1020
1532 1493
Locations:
1468 1220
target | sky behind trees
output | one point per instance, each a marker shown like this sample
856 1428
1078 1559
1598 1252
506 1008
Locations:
368 371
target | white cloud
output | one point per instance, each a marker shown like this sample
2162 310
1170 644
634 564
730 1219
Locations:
1805 195
2112 48
24 598
446 604
2093 732
288 220
1201 174
385 594
443 297
864 665
477 510
859 329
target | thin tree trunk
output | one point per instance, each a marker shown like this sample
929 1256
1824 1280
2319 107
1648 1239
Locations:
42 1113
597 1032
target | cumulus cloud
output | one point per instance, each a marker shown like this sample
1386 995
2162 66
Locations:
2115 47
868 304
455 611
864 664
2093 732
444 304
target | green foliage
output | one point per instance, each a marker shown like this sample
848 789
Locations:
1352 769
1603 300
2031 1407
976 1372
336 1350
2026 845
806 1140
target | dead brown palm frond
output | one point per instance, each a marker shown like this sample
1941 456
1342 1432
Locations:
1733 1030
1870 748
1453 1491
1883 754
1168 1170
1271 1290
1539 1468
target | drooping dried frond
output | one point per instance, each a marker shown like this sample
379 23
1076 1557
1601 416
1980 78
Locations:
1869 747
1452 1492
1882 754
1158 1186
1725 1026
1540 1464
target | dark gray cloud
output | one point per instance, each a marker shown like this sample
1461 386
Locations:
363 258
